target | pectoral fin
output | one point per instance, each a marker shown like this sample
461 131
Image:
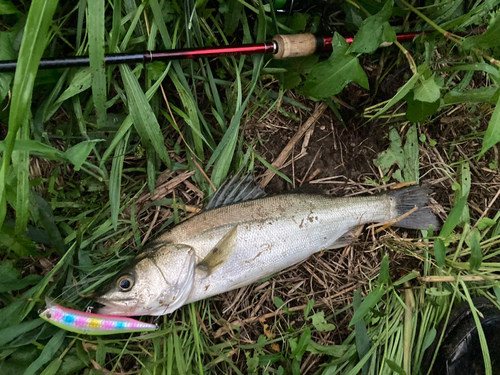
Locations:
220 253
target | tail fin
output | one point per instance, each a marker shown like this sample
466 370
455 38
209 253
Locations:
407 199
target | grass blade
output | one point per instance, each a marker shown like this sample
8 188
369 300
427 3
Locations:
33 295
160 22
81 81
223 154
53 367
134 26
453 218
82 6
464 178
192 119
6 53
47 353
395 367
369 302
196 337
48 222
122 132
492 136
32 47
115 179
476 256
151 169
167 42
170 353
115 31
79 153
47 109
362 339
127 123
272 169
36 148
179 358
95 27
20 162
145 121
10 333
400 95
411 169
479 95
384 276
480 332
439 252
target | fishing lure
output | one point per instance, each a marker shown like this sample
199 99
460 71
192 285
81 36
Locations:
91 324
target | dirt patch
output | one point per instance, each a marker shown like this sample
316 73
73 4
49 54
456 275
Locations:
329 149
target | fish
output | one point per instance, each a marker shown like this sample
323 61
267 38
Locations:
89 323
244 235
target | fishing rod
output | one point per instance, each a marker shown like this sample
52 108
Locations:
281 47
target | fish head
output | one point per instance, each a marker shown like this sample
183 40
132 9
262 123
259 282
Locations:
157 282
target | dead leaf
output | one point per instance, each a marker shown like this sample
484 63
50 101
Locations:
88 346
275 347
267 332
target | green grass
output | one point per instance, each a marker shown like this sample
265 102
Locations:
104 136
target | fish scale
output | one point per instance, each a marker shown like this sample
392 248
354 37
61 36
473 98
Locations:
266 246
223 248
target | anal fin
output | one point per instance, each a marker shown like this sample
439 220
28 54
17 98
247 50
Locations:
347 237
220 253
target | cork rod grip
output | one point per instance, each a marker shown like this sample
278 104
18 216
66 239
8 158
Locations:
296 45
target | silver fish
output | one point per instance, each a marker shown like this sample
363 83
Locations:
243 236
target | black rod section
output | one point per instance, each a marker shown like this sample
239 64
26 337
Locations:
149 56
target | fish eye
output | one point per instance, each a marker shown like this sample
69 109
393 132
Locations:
125 283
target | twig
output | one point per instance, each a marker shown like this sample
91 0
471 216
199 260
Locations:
407 336
268 175
173 119
408 56
487 208
388 223
157 212
187 207
164 189
310 165
441 279
204 174
489 58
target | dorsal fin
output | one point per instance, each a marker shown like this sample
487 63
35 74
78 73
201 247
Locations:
239 188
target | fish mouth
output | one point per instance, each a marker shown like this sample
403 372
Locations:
122 307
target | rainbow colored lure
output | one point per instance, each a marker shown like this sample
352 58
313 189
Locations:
92 324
